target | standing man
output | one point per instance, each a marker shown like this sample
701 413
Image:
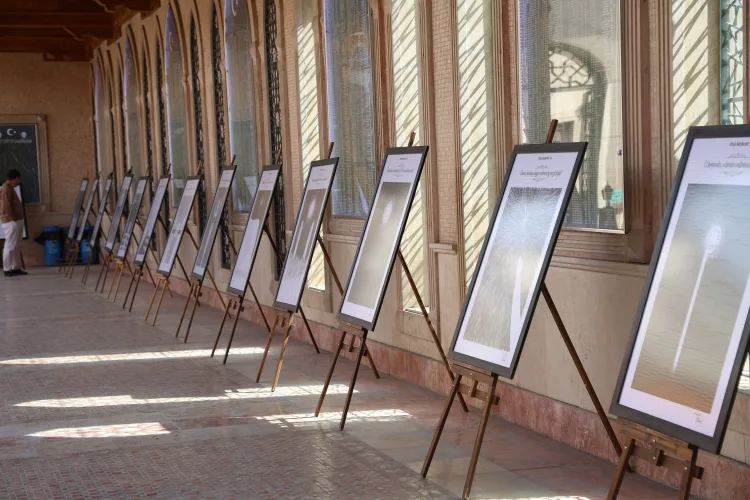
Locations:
11 215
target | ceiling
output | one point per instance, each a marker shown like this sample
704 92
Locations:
64 30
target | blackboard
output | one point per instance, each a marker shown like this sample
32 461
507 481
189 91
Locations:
19 150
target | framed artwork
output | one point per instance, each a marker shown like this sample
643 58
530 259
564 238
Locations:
381 239
306 230
253 230
213 222
114 223
153 216
690 336
19 191
135 207
515 255
74 221
87 210
177 230
100 210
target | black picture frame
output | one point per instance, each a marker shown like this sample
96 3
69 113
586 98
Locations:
211 229
503 371
276 169
153 216
179 225
87 210
101 208
411 150
135 207
77 208
114 223
294 307
709 443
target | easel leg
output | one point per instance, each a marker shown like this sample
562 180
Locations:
289 324
372 364
184 310
135 291
86 269
441 425
151 302
268 346
240 308
330 373
309 331
106 272
118 270
117 288
581 371
130 287
260 307
221 327
192 314
622 466
361 353
480 438
687 477
101 272
158 306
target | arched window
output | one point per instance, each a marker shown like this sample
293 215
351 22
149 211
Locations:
476 105
123 131
176 122
111 134
100 105
351 117
221 141
241 98
407 97
307 71
147 116
195 73
164 156
132 122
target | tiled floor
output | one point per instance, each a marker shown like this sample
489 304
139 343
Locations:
95 403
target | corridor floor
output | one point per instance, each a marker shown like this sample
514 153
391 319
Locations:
96 403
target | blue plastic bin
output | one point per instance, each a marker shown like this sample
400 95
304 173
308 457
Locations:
52 246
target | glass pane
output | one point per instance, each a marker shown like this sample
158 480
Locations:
476 102
708 66
309 127
131 116
350 104
570 66
102 135
732 62
407 103
176 109
241 90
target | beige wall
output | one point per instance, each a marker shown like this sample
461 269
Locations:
61 91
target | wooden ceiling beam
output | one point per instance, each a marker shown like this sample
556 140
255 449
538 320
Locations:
104 32
47 19
133 5
37 44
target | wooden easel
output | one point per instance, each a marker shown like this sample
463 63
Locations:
235 303
478 376
361 333
163 283
661 451
138 273
86 269
196 285
121 264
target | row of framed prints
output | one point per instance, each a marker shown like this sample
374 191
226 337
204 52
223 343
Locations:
690 335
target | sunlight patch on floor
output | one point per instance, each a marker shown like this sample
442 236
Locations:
309 419
130 356
102 431
231 394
